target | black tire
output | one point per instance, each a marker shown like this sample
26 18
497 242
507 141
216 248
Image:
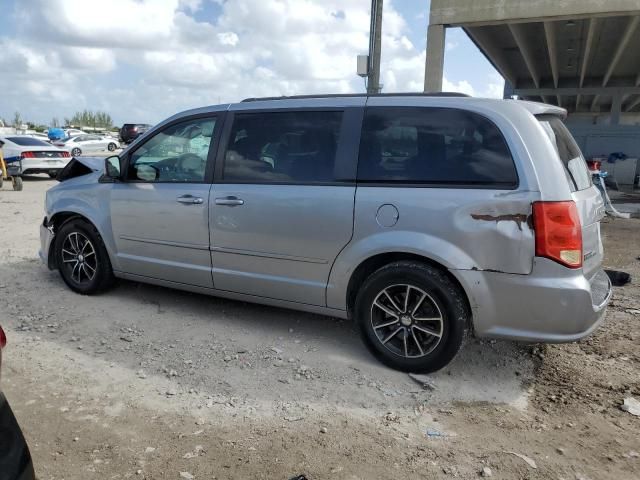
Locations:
53 175
17 184
420 353
111 147
102 278
1 179
76 152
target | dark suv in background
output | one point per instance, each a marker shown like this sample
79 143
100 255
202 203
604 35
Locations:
130 131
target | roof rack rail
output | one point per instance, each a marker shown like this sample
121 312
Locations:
342 95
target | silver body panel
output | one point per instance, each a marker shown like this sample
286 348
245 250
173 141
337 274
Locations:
298 246
281 243
158 237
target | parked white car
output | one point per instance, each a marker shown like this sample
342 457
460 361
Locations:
87 143
74 132
35 156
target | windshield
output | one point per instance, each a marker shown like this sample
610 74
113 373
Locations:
568 152
28 142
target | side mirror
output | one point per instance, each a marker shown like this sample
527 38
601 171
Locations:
112 167
147 173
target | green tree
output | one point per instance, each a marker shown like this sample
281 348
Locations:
17 120
88 118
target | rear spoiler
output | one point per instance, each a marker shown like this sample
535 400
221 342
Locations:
537 108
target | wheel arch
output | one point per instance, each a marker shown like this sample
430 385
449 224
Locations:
60 218
374 262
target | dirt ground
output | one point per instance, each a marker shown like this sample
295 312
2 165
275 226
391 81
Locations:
146 382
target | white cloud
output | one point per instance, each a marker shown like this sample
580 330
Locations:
254 48
228 38
463 86
451 46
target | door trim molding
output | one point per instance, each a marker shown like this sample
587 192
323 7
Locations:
192 246
252 253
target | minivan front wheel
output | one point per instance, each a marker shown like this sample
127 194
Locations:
82 258
412 316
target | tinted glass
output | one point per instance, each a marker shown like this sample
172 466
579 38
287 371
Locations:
433 145
568 151
28 142
287 147
176 154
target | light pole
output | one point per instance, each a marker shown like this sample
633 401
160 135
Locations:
369 65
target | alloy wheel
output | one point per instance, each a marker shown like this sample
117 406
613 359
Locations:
79 258
407 321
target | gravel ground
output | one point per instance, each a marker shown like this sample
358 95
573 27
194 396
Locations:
146 382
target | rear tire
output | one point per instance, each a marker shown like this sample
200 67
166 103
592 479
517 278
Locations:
82 258
17 184
111 147
412 316
76 152
53 175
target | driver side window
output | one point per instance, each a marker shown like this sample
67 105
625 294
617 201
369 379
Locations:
176 154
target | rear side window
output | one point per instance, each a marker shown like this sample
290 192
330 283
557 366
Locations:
433 146
283 147
28 142
568 151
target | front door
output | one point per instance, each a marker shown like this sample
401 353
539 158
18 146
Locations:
160 213
282 203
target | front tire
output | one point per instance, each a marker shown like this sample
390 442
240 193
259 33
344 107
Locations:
82 258
76 152
412 316
111 147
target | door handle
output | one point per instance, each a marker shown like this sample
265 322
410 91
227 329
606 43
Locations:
229 201
189 200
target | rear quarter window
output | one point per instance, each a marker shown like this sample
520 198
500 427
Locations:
437 146
568 151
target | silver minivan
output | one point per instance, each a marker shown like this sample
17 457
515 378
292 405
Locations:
422 217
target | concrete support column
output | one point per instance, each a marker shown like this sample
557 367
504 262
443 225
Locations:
434 65
508 89
616 108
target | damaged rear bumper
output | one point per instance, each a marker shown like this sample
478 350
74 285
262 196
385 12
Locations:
553 304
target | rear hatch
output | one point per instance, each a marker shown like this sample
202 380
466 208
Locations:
583 191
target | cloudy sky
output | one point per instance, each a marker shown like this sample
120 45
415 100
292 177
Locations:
143 60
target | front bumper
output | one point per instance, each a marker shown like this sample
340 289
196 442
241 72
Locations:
46 237
15 459
553 304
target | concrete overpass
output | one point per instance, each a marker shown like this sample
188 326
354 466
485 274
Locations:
583 55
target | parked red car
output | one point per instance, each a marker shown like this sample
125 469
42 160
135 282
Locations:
15 459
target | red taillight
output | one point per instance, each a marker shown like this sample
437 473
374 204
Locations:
28 155
3 339
66 154
558 232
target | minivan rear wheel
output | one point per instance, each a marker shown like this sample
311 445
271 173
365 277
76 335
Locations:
412 316
82 258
